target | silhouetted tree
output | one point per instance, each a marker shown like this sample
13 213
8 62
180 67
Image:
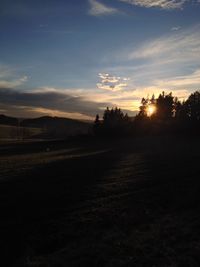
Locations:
180 110
143 108
170 116
153 100
97 119
192 106
114 123
96 124
165 106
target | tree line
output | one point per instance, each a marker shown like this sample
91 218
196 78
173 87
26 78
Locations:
164 114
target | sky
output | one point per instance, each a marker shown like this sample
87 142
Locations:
73 58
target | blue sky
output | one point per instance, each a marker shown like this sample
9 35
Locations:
74 58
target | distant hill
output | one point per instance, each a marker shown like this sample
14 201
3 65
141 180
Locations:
58 127
50 127
49 122
6 120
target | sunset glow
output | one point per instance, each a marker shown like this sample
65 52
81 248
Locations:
82 56
151 109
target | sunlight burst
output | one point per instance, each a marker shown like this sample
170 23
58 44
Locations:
151 109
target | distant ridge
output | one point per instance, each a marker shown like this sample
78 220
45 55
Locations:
6 120
49 122
50 127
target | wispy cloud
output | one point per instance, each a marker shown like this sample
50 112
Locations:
169 63
171 55
163 4
187 81
5 71
112 83
13 83
182 45
9 79
176 28
100 9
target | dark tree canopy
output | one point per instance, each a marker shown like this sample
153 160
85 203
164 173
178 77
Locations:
165 106
192 106
165 114
114 122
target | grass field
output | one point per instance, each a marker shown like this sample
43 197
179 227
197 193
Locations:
131 202
8 132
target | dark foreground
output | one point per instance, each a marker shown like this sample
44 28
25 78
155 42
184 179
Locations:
95 203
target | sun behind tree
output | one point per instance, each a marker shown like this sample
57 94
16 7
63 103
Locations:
151 109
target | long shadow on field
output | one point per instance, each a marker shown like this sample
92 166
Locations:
43 196
123 207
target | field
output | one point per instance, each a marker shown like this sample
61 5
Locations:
8 132
132 202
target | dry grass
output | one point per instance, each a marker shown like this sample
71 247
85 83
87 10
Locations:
121 203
